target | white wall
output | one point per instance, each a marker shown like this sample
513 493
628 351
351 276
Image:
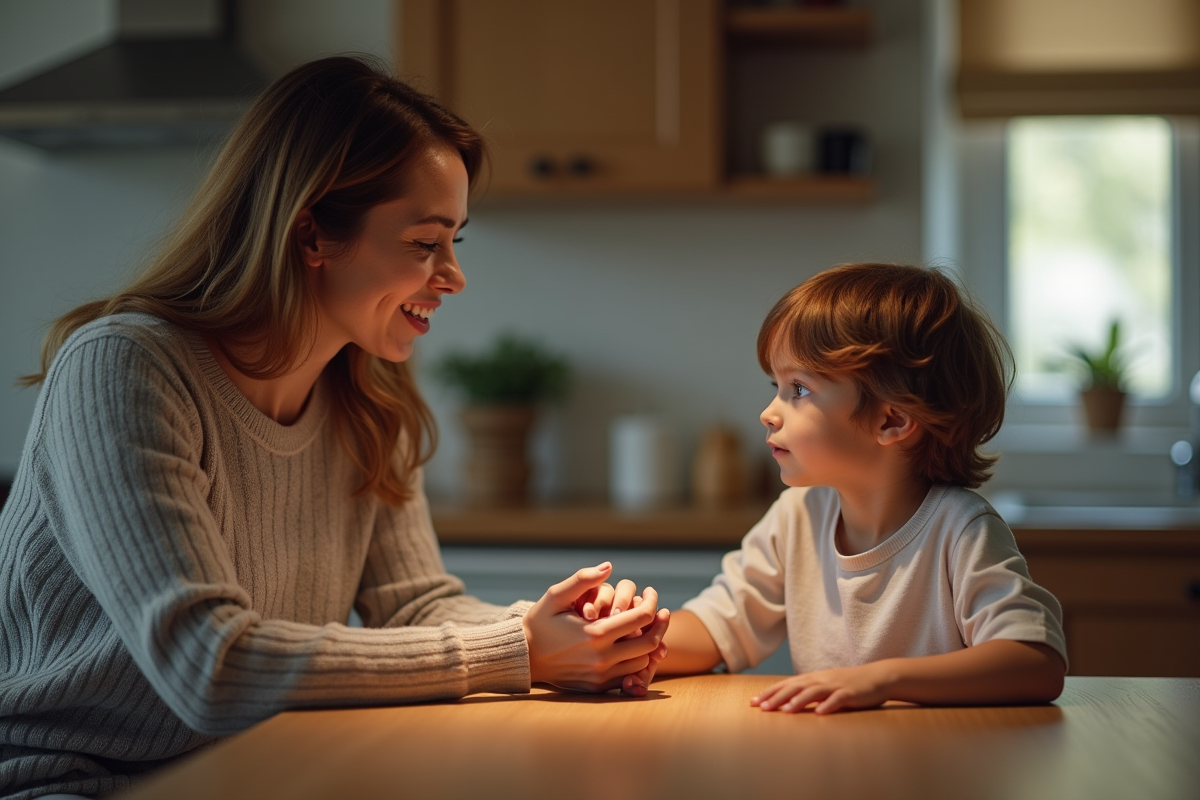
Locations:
656 305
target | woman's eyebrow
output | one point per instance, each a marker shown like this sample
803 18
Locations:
445 222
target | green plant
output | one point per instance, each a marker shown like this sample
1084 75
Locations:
1104 369
514 372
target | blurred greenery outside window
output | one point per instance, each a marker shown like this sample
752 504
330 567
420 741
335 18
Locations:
1090 240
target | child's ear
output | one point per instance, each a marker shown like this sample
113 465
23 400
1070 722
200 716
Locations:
897 426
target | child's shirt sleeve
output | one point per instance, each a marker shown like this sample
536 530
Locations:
744 607
994 596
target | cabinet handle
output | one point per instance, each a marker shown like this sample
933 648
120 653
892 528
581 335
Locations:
542 167
581 166
1191 590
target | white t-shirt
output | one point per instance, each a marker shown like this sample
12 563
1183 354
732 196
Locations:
952 577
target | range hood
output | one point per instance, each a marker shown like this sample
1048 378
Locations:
142 89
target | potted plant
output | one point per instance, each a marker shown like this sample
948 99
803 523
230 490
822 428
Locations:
501 388
1102 388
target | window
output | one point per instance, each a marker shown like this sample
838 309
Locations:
998 255
1090 242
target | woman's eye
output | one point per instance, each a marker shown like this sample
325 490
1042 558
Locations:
430 246
456 241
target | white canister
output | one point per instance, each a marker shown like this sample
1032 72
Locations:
643 463
788 148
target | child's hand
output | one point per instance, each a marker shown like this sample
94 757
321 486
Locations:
607 601
865 686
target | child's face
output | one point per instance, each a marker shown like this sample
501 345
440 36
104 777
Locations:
811 433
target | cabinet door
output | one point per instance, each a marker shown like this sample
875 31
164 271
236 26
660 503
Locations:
586 96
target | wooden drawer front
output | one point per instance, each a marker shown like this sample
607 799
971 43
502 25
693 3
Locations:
1160 582
1133 645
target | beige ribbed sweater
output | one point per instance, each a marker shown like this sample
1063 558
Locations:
177 567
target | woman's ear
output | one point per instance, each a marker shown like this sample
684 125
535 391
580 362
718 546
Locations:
897 426
308 236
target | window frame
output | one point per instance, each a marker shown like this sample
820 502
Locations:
982 157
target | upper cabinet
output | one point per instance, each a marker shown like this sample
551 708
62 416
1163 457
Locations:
615 96
610 97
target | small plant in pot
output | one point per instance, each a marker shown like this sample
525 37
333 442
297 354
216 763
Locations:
1103 375
502 388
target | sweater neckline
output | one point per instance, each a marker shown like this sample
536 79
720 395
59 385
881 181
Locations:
894 543
282 439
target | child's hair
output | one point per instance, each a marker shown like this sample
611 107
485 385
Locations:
907 336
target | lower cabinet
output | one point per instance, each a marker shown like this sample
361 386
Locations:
503 575
1131 606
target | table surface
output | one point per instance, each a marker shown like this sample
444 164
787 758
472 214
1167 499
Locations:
698 737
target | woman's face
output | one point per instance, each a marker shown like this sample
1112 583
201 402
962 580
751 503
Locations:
381 290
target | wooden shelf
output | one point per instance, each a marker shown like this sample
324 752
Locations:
833 188
596 525
689 526
833 27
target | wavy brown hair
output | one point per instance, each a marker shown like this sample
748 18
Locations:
335 136
909 337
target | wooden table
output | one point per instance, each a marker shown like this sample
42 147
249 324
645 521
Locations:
698 737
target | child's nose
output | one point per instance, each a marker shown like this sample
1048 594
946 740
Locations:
769 417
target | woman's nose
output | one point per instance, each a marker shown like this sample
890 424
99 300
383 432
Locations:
448 277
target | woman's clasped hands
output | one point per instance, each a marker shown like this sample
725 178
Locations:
586 635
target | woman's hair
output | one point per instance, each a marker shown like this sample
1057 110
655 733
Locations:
335 136
908 337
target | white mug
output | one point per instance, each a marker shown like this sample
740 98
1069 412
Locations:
643 463
788 148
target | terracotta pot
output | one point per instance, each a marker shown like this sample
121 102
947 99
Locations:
719 470
497 468
1102 406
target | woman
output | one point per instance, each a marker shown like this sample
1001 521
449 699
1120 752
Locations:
225 458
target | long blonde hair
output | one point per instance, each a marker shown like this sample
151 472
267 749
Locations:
335 136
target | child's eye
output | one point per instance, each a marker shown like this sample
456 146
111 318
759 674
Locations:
456 241
799 390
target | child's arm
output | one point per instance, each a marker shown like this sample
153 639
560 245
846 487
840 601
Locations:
690 647
995 672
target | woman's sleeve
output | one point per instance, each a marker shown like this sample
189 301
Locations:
994 597
117 453
743 609
404 581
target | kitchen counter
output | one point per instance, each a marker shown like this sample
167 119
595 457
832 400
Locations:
594 525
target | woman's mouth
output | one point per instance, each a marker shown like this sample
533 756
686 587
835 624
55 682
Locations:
418 316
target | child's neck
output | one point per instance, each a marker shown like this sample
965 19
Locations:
869 516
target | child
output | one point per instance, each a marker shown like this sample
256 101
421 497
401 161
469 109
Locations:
892 580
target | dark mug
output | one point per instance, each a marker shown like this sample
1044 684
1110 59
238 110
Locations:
843 151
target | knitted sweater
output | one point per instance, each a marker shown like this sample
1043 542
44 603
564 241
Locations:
175 567
950 578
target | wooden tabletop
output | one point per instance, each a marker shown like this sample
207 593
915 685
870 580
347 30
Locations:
697 737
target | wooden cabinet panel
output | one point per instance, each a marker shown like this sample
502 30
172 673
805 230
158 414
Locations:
1131 601
591 96
1130 644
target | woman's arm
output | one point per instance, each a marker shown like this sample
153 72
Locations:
991 673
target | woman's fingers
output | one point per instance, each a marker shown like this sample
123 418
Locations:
648 642
562 595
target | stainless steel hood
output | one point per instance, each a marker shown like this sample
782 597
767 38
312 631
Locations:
140 90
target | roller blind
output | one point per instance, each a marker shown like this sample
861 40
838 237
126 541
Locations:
1032 57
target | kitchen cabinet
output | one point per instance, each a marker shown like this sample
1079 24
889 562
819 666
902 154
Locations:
1131 599
622 97
582 97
